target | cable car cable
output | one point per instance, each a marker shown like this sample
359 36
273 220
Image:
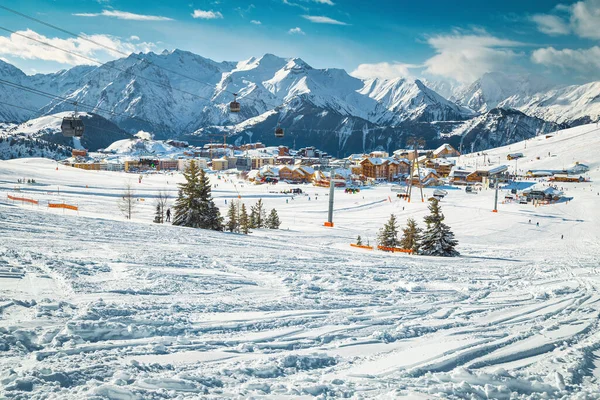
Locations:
82 37
105 64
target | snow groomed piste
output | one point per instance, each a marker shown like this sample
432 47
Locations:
93 305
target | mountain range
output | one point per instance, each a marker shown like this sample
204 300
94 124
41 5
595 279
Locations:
178 94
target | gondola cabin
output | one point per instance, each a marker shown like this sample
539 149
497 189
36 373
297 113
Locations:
72 127
234 106
279 132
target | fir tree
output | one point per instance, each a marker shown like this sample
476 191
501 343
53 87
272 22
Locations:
438 239
411 236
388 235
232 221
273 220
194 206
244 220
359 240
258 215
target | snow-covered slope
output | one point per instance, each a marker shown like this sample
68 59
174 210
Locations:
96 306
574 105
412 100
492 88
135 146
498 127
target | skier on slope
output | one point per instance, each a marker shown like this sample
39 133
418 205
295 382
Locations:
168 215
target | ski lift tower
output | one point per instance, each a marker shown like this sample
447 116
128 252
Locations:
415 143
332 183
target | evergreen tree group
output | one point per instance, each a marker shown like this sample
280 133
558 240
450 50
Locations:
194 206
436 240
238 219
258 215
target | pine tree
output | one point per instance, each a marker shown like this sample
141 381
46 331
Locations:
411 236
244 221
359 240
232 222
194 206
388 235
273 220
187 209
438 239
258 215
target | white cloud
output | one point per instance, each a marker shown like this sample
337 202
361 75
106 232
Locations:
207 14
133 37
256 22
383 70
323 20
585 18
465 57
551 24
296 31
124 15
328 2
21 47
582 60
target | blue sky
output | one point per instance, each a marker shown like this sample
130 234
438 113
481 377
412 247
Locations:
436 39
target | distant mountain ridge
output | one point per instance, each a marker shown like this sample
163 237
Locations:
327 108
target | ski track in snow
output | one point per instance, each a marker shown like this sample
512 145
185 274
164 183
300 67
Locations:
92 305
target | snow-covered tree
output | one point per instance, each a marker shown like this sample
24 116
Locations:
273 220
411 236
232 218
194 206
438 239
244 220
388 235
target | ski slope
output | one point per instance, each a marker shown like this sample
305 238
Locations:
94 305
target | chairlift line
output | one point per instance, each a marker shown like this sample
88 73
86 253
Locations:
112 49
72 102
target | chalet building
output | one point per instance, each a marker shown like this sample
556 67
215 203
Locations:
445 151
458 175
380 168
428 177
442 166
410 154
